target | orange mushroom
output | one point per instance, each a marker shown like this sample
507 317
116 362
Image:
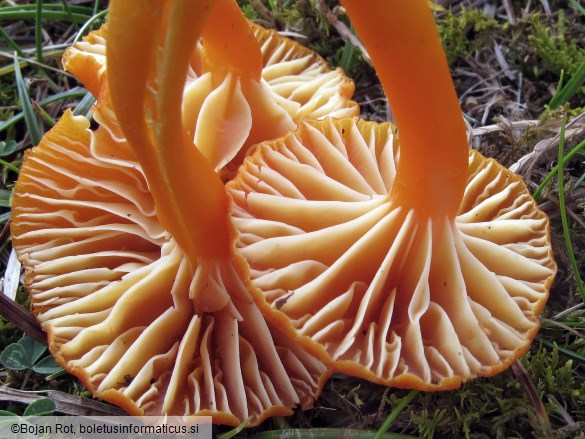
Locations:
121 304
124 237
246 82
395 255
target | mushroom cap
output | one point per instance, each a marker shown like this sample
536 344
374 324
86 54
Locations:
377 290
86 60
124 309
296 84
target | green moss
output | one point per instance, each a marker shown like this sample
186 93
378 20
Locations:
249 12
498 407
465 32
554 375
494 407
8 333
426 423
557 50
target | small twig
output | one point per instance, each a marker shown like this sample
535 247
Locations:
342 29
479 83
563 326
568 311
5 233
569 430
501 59
22 319
64 402
525 164
520 125
43 65
561 410
519 91
571 203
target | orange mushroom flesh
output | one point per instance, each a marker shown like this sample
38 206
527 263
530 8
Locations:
152 124
123 307
223 89
231 95
404 46
229 43
352 248
141 305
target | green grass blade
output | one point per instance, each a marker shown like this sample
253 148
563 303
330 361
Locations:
569 89
70 94
559 86
47 15
39 30
577 6
84 107
96 7
44 115
52 52
70 12
11 42
347 55
565 351
47 7
30 117
579 182
563 209
9 166
9 68
394 413
88 24
230 434
5 197
272 5
555 169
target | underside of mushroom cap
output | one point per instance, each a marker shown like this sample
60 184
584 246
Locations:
377 290
86 59
123 308
296 84
300 75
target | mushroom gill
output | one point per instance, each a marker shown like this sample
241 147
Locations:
381 291
401 258
121 305
249 93
124 237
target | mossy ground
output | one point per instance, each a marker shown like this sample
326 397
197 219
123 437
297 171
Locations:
506 58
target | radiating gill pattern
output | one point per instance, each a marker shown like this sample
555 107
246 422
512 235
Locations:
301 76
227 114
386 293
122 307
296 84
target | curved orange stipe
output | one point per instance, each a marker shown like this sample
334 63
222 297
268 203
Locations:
229 43
403 42
190 199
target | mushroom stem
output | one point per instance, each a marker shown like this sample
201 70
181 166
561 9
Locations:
228 42
402 40
146 86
